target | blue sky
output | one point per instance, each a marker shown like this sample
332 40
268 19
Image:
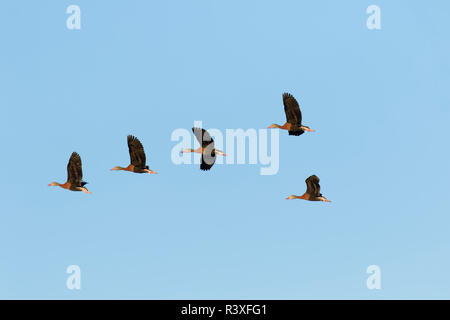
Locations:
378 101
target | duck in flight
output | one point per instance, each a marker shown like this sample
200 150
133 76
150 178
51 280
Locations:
74 175
293 117
137 157
312 191
206 149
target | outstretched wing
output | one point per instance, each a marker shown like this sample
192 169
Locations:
313 186
292 110
136 150
208 158
203 137
207 143
74 171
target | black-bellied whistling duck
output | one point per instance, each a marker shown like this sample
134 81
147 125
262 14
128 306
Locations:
206 148
137 157
74 175
312 190
293 117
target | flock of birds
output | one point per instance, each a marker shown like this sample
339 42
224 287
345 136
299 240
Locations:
138 162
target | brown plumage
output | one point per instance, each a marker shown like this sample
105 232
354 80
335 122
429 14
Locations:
137 157
207 149
312 191
293 117
74 175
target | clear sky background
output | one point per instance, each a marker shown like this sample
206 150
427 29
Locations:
379 101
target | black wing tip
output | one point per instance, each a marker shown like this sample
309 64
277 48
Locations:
287 96
296 133
205 166
75 156
131 137
134 140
